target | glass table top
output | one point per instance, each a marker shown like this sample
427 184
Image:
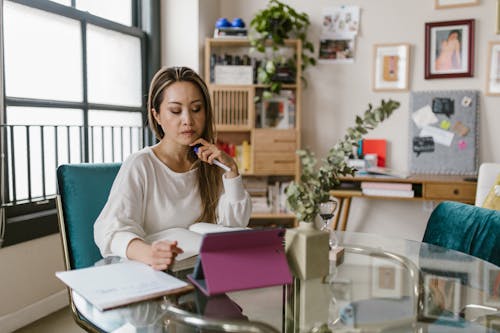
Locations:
381 284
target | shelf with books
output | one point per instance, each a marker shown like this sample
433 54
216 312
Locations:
269 129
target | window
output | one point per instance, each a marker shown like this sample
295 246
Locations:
75 78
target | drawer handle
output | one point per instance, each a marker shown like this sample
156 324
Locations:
283 161
456 191
283 141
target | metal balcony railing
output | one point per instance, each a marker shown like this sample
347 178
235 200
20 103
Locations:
32 154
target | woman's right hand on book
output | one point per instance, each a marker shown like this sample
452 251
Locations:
163 253
159 255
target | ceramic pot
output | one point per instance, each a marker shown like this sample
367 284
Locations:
307 251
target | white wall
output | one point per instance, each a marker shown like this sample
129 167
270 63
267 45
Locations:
185 24
338 92
29 289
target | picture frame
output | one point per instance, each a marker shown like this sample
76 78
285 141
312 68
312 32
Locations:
275 113
386 281
445 4
449 49
491 295
493 323
336 49
391 67
442 297
493 73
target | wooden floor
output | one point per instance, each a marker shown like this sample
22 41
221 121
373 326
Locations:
58 322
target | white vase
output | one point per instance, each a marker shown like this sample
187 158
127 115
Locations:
307 251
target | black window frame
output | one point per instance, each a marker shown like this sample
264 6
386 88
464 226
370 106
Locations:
24 221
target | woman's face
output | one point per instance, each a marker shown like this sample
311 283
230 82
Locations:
182 113
453 36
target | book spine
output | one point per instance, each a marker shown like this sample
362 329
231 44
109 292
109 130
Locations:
388 193
387 186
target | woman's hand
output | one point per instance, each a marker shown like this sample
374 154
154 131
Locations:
208 152
159 255
163 254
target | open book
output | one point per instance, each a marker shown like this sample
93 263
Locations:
188 240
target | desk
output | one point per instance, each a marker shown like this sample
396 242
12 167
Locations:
383 284
426 187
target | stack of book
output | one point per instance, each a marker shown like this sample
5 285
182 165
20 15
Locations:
257 188
230 32
403 190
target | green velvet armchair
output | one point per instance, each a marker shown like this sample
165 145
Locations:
83 190
465 228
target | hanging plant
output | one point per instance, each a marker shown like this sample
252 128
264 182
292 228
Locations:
272 26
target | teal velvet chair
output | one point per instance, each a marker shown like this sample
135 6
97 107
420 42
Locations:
83 189
465 228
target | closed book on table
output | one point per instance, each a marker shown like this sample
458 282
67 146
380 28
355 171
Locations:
388 193
239 260
387 186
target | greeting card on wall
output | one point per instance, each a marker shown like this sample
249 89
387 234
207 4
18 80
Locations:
338 34
444 132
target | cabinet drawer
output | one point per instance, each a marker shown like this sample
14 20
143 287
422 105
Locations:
275 163
457 192
267 140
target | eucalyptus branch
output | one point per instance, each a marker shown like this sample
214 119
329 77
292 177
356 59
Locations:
314 186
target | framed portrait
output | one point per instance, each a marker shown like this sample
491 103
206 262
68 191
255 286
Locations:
443 4
386 279
493 76
491 286
391 67
442 297
449 49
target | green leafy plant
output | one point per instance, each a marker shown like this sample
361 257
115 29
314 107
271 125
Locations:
273 26
304 196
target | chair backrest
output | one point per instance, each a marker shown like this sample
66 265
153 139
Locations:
465 228
488 172
83 191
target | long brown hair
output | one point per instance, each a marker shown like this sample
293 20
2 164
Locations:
209 176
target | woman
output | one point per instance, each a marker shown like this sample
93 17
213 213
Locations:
449 53
168 185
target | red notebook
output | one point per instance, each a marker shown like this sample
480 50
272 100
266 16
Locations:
239 260
376 146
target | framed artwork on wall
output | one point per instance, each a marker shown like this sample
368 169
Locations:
493 76
387 279
492 286
449 49
442 298
442 4
391 67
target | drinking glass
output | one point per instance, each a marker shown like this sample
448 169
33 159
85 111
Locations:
326 211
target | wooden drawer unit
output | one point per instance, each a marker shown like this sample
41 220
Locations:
272 140
456 192
274 163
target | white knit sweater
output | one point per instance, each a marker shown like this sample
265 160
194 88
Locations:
147 197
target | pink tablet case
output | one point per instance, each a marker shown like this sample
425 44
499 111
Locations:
243 259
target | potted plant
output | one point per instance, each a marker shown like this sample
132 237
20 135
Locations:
304 196
272 26
307 249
